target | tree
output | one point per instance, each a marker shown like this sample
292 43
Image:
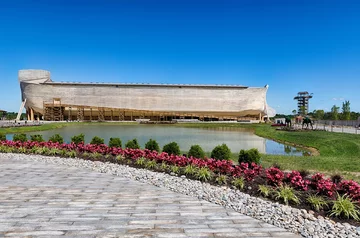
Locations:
354 115
335 112
319 114
346 110
294 112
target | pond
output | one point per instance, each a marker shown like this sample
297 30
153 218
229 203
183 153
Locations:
235 138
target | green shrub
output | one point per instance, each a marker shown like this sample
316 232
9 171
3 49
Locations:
63 152
96 155
150 164
22 150
190 170
33 149
175 169
172 148
37 138
203 174
85 155
42 150
221 179
140 161
239 183
56 138
97 141
10 149
77 139
115 142
316 202
221 152
120 158
164 166
20 137
71 154
152 145
343 206
264 190
249 156
196 151
2 137
132 144
286 194
54 151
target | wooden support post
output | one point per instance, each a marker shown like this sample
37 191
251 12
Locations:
121 115
112 114
90 114
32 114
80 114
101 116
69 116
131 116
28 114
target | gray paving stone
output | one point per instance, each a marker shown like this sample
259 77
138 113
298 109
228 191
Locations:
35 233
42 200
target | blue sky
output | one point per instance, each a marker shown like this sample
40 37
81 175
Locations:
293 46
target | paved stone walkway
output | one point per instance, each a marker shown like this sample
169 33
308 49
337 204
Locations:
41 200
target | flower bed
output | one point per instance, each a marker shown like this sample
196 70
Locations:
310 192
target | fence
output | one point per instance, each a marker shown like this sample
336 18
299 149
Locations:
328 126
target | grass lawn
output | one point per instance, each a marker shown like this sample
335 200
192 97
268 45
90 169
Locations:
43 127
51 126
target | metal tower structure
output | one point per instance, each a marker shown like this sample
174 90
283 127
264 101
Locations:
303 102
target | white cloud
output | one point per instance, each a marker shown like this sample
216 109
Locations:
338 99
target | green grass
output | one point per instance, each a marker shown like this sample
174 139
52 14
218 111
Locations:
52 126
44 127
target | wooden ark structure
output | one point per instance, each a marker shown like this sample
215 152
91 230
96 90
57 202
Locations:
58 101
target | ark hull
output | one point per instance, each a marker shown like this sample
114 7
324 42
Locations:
82 101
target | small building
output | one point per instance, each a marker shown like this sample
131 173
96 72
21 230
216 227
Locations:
280 121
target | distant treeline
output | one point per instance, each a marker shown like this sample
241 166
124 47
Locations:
11 116
321 115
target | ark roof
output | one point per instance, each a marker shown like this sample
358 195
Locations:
148 85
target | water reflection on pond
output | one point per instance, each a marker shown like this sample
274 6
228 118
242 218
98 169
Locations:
207 138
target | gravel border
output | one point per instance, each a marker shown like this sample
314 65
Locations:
292 219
